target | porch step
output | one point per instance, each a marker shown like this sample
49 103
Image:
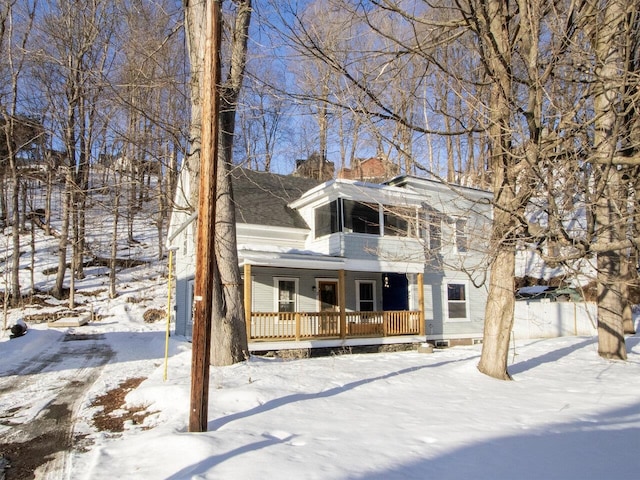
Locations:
425 348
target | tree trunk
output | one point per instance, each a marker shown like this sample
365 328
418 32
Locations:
229 342
15 233
626 281
501 295
23 205
58 288
162 208
498 317
114 238
229 336
611 343
47 200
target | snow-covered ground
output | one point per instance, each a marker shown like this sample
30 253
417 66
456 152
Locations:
568 414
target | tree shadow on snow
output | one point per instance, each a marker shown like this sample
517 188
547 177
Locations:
301 397
601 445
205 465
549 357
202 467
632 341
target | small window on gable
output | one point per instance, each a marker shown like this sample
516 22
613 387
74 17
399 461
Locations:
461 235
434 227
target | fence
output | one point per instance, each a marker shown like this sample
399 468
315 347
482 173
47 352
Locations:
546 319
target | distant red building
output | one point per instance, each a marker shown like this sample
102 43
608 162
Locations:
373 170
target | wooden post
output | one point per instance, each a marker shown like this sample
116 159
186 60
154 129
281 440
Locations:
342 302
421 303
205 254
247 299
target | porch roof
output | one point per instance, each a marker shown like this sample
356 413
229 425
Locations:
289 259
316 261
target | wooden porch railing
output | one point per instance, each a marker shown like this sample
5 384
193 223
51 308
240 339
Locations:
305 325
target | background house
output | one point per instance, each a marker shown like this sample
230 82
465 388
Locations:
373 170
345 262
316 167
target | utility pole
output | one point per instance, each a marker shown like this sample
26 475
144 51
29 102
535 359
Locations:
205 254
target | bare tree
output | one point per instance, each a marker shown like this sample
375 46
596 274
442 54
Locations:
610 26
263 109
229 339
522 92
72 50
17 131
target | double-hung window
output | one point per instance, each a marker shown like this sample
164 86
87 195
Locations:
457 302
286 290
366 290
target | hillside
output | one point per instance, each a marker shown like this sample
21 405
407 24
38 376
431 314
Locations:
92 402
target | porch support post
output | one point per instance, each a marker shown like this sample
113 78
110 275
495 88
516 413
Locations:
341 303
421 302
247 299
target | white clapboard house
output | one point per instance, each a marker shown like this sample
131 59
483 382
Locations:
343 262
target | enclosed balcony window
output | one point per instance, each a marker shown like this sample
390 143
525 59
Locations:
434 223
360 217
327 219
396 222
351 216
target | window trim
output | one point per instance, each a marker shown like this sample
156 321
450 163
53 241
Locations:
338 218
434 233
276 292
461 233
465 284
358 300
333 207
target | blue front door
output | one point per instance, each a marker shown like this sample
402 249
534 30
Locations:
395 291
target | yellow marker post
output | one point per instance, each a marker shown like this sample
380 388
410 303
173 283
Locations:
166 345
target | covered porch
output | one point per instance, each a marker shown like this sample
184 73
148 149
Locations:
333 321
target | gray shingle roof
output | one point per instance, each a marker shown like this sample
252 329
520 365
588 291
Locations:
261 198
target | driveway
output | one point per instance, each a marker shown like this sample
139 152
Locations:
39 400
